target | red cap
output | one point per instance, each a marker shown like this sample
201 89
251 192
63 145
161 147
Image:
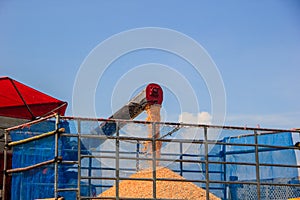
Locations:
154 94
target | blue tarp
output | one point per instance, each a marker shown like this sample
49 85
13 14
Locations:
39 182
267 174
266 155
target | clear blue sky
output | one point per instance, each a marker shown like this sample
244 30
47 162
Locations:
255 45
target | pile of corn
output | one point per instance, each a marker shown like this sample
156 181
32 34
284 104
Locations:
164 189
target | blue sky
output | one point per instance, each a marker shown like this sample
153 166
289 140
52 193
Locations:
254 44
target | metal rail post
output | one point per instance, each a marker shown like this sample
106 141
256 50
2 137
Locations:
154 158
181 157
206 163
79 159
137 164
224 170
90 174
117 161
56 157
5 164
257 164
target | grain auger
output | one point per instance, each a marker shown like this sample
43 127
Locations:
150 97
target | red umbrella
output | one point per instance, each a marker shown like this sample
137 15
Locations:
20 101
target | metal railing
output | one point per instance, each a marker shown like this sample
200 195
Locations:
182 160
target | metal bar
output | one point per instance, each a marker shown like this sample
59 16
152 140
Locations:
69 162
181 157
5 164
69 135
188 180
30 167
224 169
223 182
154 158
90 173
128 138
98 178
117 161
279 165
252 145
100 166
253 151
79 159
199 171
171 132
67 189
114 137
281 184
137 156
278 147
30 123
112 169
134 170
200 181
183 141
177 160
206 164
264 133
56 156
123 138
164 154
37 137
257 164
183 124
113 157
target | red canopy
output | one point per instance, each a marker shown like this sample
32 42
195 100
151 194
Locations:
20 101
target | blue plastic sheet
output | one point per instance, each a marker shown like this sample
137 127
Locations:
39 182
